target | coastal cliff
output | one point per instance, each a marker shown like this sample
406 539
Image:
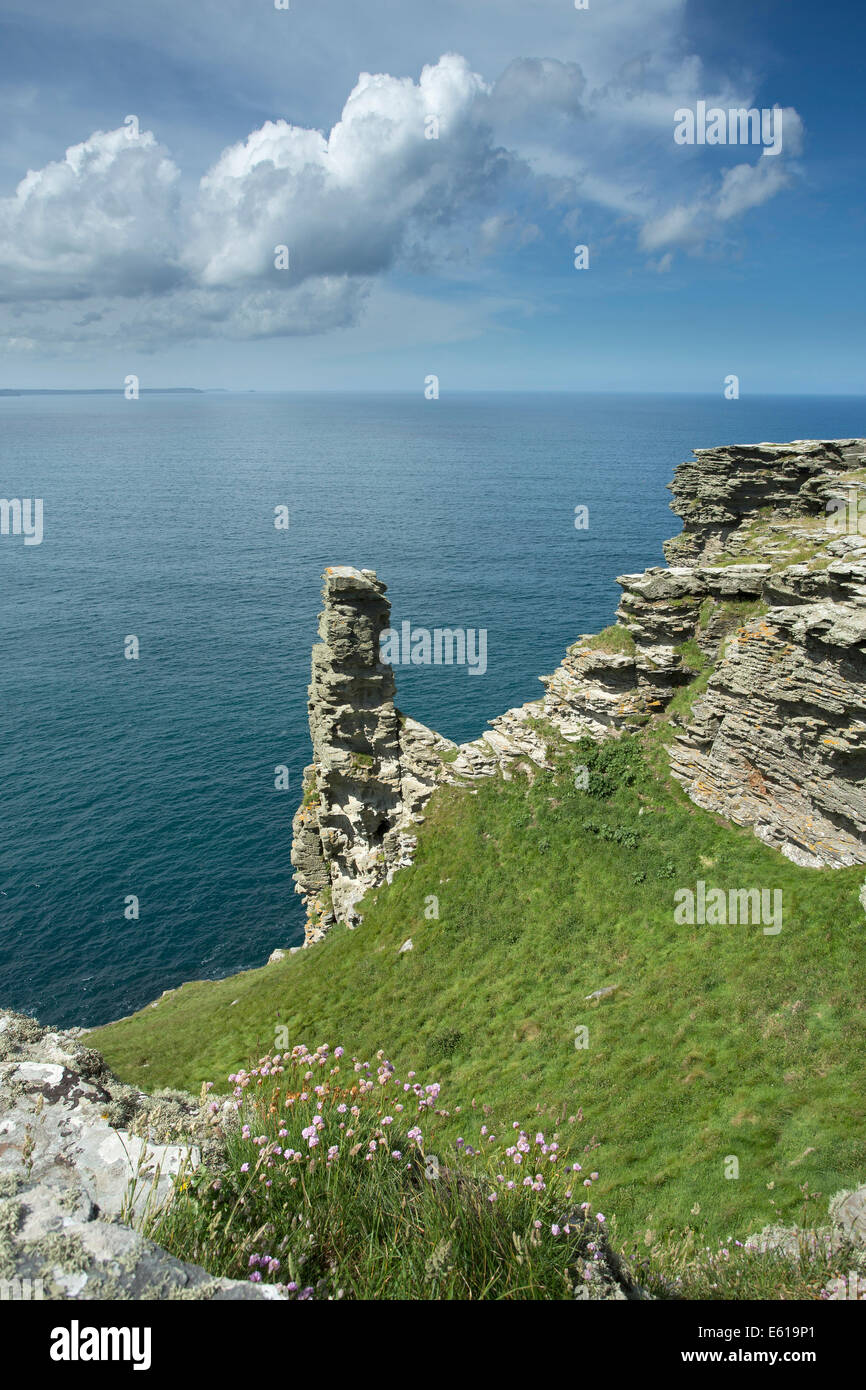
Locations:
757 626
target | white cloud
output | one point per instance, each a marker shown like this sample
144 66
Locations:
108 221
747 186
741 188
103 220
346 204
112 223
678 226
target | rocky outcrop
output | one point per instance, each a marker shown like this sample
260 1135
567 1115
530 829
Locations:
724 487
81 1156
842 1239
372 770
771 603
779 739
761 611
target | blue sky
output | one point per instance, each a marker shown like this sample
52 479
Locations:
408 256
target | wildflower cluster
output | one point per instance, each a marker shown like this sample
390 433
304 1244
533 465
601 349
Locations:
313 1086
337 1165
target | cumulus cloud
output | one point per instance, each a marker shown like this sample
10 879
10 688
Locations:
402 157
406 167
103 220
403 162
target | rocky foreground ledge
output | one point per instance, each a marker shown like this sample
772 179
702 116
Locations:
79 1152
764 594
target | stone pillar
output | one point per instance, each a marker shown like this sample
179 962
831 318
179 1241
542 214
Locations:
345 832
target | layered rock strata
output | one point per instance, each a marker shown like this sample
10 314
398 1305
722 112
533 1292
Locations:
761 610
778 741
372 770
726 486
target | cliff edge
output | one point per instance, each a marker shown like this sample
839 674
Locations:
757 623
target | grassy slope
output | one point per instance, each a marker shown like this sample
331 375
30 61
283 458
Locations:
719 1040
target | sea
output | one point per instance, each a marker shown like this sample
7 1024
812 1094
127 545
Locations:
150 783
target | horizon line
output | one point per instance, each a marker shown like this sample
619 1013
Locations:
11 391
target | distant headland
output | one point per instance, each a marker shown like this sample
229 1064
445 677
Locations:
100 391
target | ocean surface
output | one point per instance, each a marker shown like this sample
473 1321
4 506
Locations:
156 777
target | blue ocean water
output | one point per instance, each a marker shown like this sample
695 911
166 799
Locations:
156 777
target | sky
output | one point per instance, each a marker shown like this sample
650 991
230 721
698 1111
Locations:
429 170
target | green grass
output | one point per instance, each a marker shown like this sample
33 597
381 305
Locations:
684 1266
705 612
611 639
755 538
736 611
719 1041
693 658
678 709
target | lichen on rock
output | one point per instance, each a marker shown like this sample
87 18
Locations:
72 1180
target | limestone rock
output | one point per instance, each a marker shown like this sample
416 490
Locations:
372 770
82 1154
848 1215
842 1238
